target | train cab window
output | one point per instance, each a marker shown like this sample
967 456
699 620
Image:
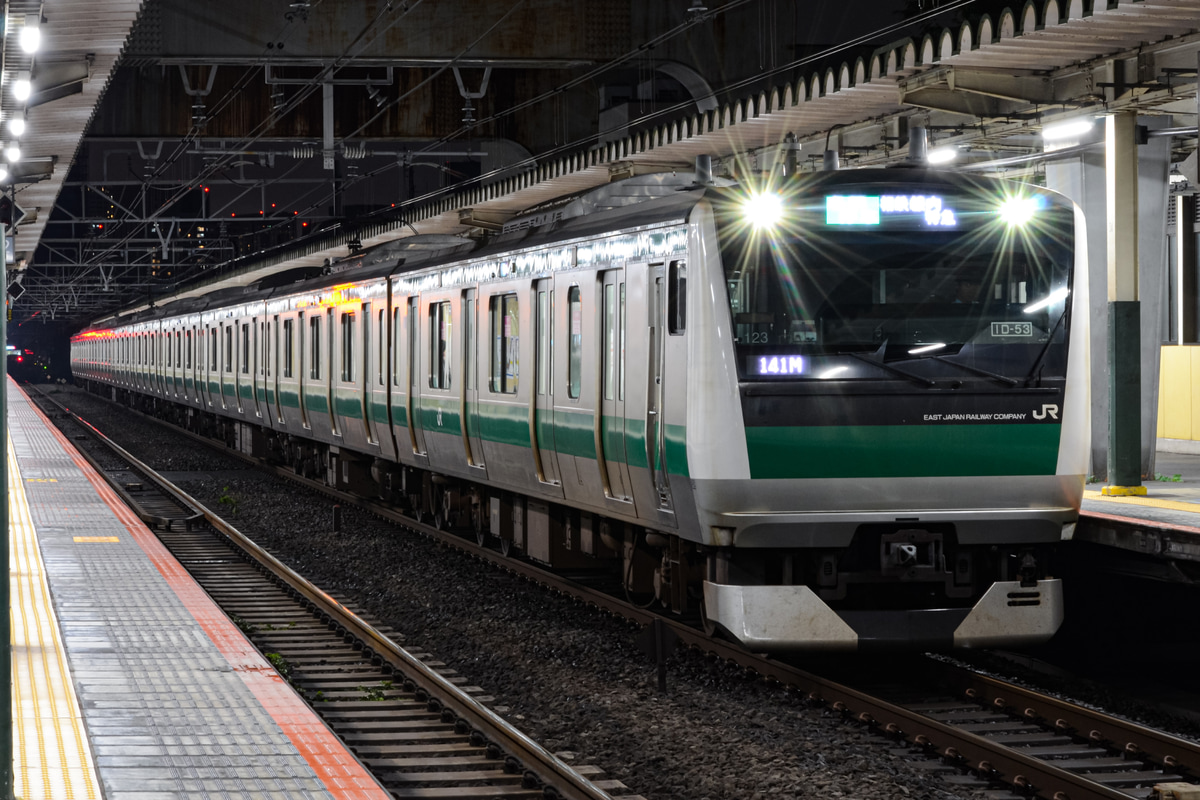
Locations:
574 342
227 366
289 338
314 344
245 348
439 345
348 346
505 327
676 298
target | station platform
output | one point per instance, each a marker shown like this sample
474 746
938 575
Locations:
128 682
1173 498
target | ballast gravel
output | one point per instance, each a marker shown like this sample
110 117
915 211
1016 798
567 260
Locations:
571 677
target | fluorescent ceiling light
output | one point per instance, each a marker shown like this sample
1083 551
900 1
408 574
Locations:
1068 129
942 155
22 88
31 34
927 348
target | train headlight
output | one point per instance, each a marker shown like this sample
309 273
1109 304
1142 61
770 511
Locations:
763 210
1017 211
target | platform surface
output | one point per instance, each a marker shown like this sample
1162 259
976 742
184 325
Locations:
129 683
1173 498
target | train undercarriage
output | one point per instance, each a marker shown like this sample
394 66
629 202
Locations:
887 576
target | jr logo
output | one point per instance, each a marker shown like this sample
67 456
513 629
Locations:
1048 409
439 416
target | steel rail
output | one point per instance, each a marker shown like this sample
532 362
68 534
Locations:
1164 749
544 765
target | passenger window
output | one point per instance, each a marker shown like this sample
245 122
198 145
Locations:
382 347
439 345
228 350
574 342
396 346
610 339
545 341
289 337
506 340
348 347
677 298
621 362
469 341
314 344
245 348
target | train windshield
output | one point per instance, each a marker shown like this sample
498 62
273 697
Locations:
895 283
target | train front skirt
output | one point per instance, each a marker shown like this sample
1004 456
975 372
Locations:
794 617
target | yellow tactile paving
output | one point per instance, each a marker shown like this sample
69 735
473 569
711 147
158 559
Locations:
1152 502
51 757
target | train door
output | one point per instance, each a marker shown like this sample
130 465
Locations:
330 377
469 397
648 302
413 367
302 371
541 401
610 421
254 366
226 361
179 387
364 382
270 365
377 402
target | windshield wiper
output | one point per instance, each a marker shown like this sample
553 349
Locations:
889 368
1037 362
978 371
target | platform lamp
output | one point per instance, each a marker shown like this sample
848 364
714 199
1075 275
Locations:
31 34
16 124
22 86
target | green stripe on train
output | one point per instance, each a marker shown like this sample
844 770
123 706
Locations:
902 451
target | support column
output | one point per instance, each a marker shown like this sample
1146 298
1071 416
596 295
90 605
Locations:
1154 166
1186 331
1124 309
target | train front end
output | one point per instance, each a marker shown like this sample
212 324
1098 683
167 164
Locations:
891 433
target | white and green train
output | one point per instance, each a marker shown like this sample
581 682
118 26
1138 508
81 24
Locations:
842 412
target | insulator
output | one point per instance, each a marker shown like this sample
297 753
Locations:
354 153
306 151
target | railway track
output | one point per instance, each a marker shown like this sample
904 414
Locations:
1003 734
410 720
